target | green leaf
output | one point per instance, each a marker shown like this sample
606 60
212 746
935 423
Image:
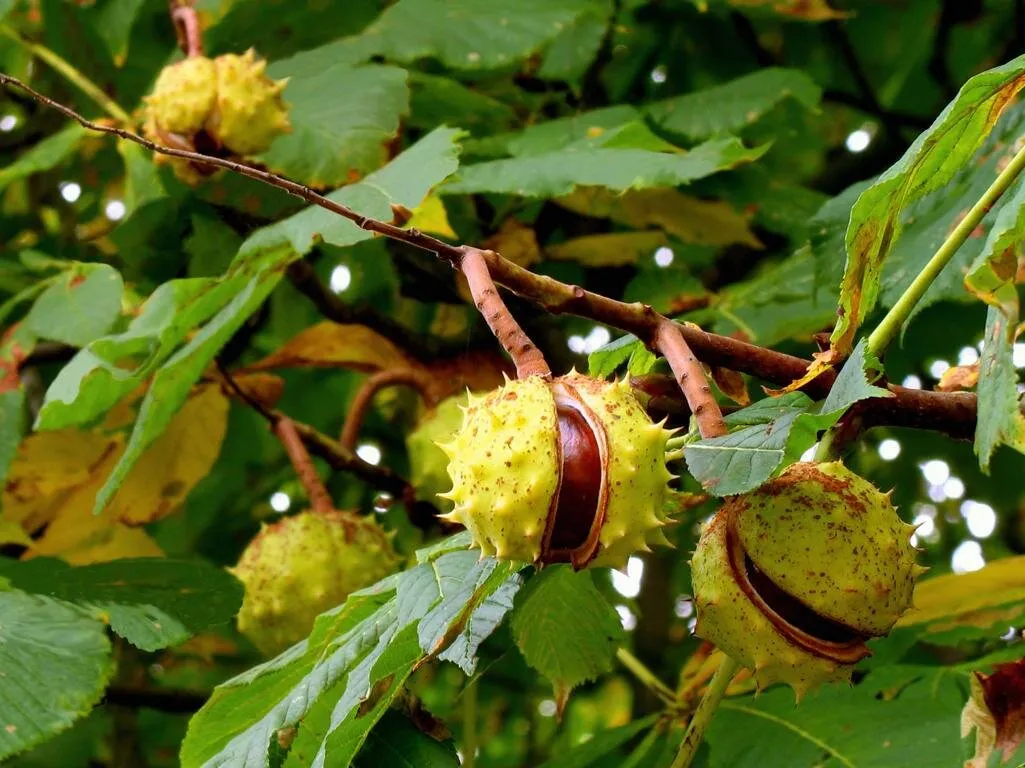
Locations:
571 53
151 602
559 173
342 118
114 25
47 154
835 727
604 361
602 745
730 107
775 432
1000 421
351 667
436 100
877 218
406 180
992 275
565 628
142 179
463 34
110 367
54 662
12 427
80 306
555 135
397 742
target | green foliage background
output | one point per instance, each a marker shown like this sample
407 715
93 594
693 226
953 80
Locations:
700 157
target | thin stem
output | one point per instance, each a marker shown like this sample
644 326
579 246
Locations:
320 499
691 378
411 377
648 678
186 26
888 328
524 353
703 714
70 74
470 724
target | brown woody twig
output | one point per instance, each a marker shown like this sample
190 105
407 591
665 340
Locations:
186 27
691 378
410 377
953 412
320 499
524 353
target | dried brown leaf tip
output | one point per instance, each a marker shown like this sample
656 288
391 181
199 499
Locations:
996 713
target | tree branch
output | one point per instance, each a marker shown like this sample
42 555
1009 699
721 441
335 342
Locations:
521 350
186 27
949 412
410 377
691 378
320 499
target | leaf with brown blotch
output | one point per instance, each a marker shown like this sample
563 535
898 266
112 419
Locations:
335 345
996 712
56 475
264 388
877 218
732 385
959 377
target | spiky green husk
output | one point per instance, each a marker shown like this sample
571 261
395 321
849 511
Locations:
250 113
504 467
728 619
825 536
834 541
183 96
639 479
301 566
427 462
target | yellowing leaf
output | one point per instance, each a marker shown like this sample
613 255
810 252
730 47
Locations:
517 242
265 388
50 465
431 217
335 345
182 456
970 599
959 377
702 222
12 533
614 250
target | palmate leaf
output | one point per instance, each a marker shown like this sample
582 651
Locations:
79 306
928 164
559 173
151 602
840 727
335 686
776 431
96 378
564 628
729 107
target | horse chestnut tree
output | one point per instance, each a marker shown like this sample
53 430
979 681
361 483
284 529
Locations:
514 383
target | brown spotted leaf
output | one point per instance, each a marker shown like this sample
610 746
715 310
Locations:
996 712
959 377
732 385
335 345
929 163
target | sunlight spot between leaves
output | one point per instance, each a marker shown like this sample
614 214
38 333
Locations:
627 618
968 356
967 557
935 471
953 488
1019 356
809 455
370 453
70 191
980 518
8 123
858 141
585 345
889 449
658 74
911 382
341 278
664 256
938 367
629 584
546 708
115 210
684 607
280 501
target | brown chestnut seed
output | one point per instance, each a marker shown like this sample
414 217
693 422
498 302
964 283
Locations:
578 507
